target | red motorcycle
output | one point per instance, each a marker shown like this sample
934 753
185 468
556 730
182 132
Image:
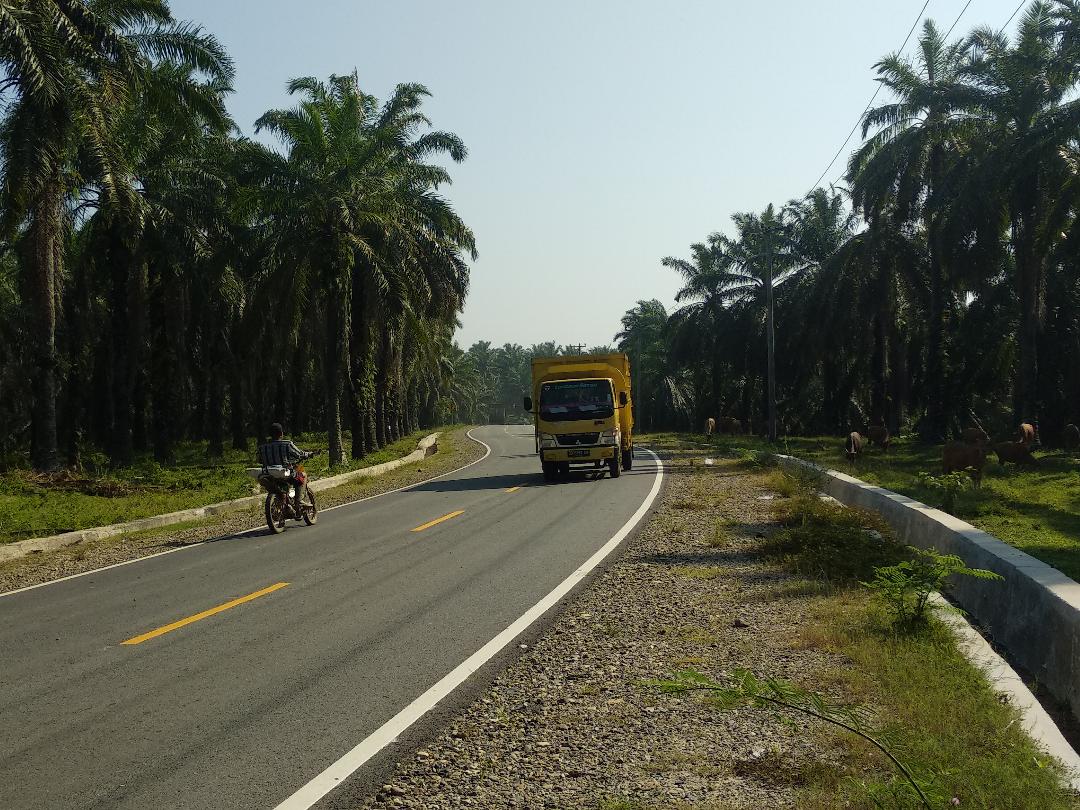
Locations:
287 495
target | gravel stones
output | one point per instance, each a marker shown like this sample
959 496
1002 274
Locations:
574 722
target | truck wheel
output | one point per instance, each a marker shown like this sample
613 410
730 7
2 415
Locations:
614 465
550 470
628 458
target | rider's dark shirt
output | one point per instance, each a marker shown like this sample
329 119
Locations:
280 452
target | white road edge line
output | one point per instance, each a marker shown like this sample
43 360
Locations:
253 529
313 792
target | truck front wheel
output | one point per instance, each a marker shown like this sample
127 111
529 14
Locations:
614 467
551 469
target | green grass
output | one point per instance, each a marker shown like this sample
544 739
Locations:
1034 509
935 710
931 704
34 506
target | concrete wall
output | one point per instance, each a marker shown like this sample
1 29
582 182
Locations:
10 551
1034 615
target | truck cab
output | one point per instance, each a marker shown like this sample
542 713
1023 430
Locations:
582 413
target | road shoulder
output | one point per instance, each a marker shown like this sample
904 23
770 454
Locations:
456 450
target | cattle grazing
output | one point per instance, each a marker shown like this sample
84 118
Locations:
1025 434
976 436
1016 452
730 425
710 426
879 435
853 446
957 456
1070 437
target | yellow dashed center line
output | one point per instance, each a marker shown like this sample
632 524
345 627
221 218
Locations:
198 616
437 521
512 489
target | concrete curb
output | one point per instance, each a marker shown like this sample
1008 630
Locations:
1004 680
1034 614
11 551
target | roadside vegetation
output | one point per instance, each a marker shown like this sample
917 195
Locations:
1035 509
904 682
34 505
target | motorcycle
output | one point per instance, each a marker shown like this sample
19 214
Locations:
283 502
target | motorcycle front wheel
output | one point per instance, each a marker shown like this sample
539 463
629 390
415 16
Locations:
275 512
308 510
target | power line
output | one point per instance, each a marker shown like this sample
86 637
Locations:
958 16
1017 11
869 103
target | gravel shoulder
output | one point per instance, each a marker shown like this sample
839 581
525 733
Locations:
456 450
574 721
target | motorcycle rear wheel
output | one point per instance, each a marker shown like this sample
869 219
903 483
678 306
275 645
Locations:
308 510
275 512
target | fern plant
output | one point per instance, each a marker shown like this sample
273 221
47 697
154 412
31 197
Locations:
905 587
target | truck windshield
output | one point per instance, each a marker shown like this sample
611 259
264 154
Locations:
576 399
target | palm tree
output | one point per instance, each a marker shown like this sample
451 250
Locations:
902 168
355 186
1024 88
68 67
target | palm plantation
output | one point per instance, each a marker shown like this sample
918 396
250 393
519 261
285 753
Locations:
938 285
180 282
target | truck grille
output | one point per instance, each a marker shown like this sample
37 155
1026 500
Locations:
577 439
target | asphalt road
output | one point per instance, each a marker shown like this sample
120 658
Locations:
243 707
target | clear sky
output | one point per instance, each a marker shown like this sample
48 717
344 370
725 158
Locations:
603 134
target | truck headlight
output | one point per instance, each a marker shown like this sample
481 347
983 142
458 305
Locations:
547 441
609 437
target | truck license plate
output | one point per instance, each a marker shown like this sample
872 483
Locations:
577 453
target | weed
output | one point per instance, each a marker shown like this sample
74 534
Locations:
824 541
746 689
703 572
947 487
905 587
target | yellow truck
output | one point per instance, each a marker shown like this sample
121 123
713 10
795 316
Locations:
583 413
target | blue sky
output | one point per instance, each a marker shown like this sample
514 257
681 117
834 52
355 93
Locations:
603 135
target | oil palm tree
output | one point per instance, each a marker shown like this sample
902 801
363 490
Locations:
1025 88
902 168
67 67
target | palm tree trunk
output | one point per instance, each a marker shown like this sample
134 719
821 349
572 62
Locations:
43 244
334 369
771 341
237 418
1028 283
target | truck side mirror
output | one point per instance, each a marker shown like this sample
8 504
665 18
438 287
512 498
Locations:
528 403
623 399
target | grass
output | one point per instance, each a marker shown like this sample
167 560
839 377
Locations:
1034 509
934 707
36 506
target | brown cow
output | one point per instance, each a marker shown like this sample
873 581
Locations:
1025 434
976 436
1070 437
956 456
1016 452
879 435
710 426
853 445
730 425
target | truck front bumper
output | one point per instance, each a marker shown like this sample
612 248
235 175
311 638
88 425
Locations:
579 455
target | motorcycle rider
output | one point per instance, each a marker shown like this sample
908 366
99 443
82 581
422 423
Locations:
279 451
